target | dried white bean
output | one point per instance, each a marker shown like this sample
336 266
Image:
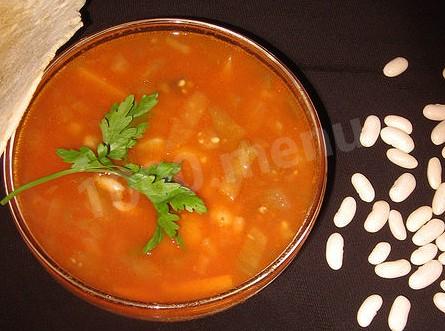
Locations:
441 258
424 254
398 139
402 187
443 152
440 242
398 315
402 159
442 285
434 173
369 309
443 73
434 112
438 204
380 253
334 251
399 122
439 299
363 187
396 225
395 67
393 269
370 131
429 232
377 217
438 134
346 212
418 218
425 275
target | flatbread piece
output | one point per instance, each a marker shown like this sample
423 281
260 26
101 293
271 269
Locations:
31 31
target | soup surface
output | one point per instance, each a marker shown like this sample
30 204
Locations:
246 148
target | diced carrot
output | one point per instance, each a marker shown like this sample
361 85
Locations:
200 288
102 84
191 230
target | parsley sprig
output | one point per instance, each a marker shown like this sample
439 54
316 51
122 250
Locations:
121 127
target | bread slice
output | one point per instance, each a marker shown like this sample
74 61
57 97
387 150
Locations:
31 32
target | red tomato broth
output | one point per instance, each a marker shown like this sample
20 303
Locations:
243 231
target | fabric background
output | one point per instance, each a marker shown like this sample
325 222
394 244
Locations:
337 48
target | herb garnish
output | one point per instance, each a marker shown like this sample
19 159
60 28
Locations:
120 131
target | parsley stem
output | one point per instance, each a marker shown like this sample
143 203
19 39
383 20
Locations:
48 178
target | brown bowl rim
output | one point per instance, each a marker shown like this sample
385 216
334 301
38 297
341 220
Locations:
270 272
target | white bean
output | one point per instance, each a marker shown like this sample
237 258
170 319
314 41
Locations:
424 254
438 204
377 217
418 218
334 251
396 225
441 258
395 67
402 187
429 232
401 159
346 212
369 309
370 131
434 112
443 152
393 269
399 122
439 299
398 139
398 315
440 242
442 285
425 275
443 73
363 187
380 253
438 134
434 173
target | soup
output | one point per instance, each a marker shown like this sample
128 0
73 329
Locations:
245 143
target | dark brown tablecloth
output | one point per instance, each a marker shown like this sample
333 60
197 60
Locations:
337 48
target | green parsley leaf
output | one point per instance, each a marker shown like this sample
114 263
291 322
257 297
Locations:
83 158
156 182
164 170
119 130
186 199
154 241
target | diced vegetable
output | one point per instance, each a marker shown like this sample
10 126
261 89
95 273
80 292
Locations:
120 64
91 141
101 83
200 287
275 198
183 127
252 251
95 202
237 166
226 128
227 68
110 185
177 45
